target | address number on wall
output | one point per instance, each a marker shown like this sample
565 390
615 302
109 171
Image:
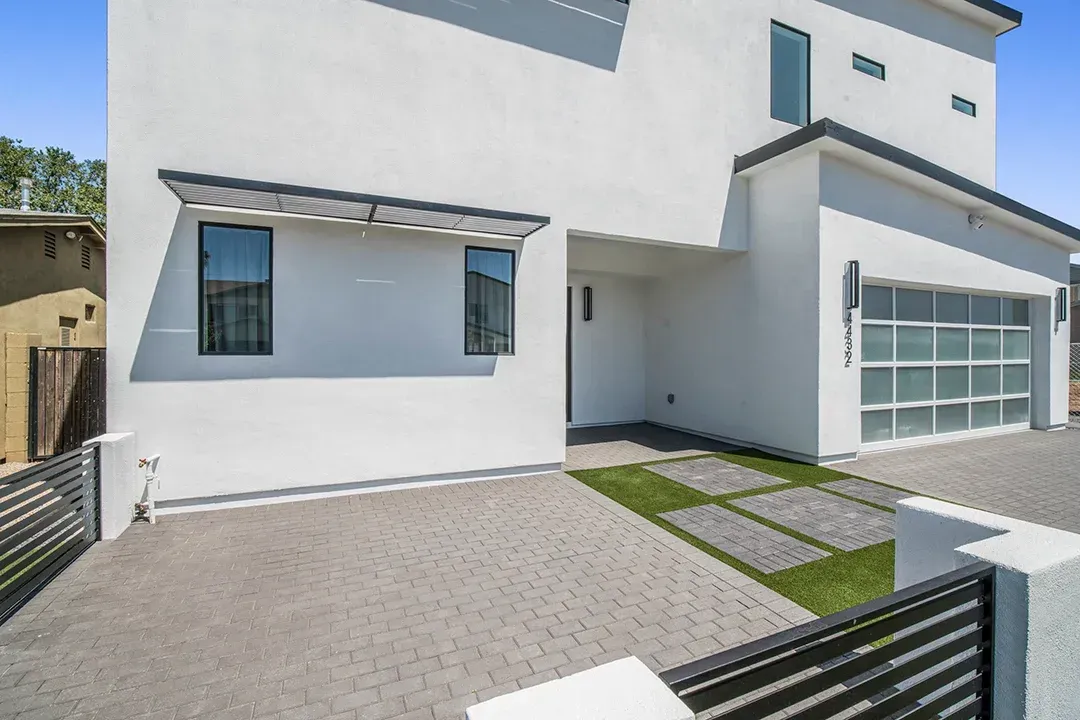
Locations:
848 345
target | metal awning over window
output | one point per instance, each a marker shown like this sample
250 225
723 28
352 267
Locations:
226 192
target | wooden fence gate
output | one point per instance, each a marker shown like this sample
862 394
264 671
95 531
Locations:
67 399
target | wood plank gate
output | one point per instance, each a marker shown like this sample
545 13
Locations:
67 399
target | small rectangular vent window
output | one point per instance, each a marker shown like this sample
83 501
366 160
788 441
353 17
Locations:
89 313
85 257
961 105
65 337
869 67
50 245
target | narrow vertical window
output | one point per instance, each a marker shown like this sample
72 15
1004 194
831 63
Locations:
85 257
235 277
790 75
489 301
867 66
961 105
50 245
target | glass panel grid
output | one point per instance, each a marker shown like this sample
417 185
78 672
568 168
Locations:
971 381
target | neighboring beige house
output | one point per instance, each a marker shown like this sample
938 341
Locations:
52 293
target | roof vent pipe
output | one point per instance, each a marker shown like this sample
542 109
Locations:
25 184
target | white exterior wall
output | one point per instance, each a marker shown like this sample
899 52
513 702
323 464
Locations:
364 97
904 237
608 352
736 340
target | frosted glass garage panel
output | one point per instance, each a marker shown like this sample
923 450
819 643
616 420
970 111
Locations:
952 418
877 386
914 422
1014 412
952 383
985 415
914 385
1016 345
953 345
985 381
1014 380
914 344
877 426
877 343
985 344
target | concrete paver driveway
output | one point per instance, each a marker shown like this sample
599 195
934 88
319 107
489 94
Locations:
1032 476
413 604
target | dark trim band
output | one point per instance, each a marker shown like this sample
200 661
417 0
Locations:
827 128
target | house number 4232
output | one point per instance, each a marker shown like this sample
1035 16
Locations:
848 344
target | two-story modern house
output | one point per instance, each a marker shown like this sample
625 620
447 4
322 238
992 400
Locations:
383 240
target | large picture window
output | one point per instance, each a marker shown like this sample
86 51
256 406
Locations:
235 275
938 363
489 301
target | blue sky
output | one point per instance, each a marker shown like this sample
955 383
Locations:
53 92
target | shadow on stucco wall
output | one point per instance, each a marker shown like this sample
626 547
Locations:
588 31
346 304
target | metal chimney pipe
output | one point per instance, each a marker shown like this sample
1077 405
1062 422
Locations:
25 184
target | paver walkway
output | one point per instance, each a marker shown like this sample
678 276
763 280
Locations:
714 476
868 491
841 523
411 604
1033 476
755 544
600 447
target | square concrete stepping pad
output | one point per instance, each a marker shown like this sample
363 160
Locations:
844 523
755 544
714 476
868 491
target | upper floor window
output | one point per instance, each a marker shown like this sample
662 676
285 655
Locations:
961 105
489 301
235 275
790 75
868 66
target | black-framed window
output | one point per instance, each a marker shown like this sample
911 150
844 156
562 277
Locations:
235 289
489 301
961 105
867 66
790 74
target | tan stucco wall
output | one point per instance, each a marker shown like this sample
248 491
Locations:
35 291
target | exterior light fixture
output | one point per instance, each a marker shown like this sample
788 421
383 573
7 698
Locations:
588 303
852 285
1062 304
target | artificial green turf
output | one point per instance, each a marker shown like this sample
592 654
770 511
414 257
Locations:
823 587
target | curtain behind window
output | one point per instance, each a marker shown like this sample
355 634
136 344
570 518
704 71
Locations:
236 290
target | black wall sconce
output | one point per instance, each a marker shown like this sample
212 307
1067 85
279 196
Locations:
1062 304
588 303
852 285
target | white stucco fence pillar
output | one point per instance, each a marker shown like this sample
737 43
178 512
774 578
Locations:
121 482
1036 597
620 690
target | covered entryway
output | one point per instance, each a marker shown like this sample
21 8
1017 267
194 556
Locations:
942 365
609 283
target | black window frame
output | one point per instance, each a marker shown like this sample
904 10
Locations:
513 301
974 107
201 335
809 72
857 58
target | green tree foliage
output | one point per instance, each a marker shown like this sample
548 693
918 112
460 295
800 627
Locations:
61 183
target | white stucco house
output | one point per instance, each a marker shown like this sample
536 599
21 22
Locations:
370 241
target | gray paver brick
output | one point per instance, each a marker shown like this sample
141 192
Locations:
1028 475
755 544
871 492
714 476
837 521
372 606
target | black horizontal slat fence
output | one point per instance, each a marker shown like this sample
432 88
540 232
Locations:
917 653
49 514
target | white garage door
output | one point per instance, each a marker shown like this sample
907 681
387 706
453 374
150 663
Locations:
942 364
